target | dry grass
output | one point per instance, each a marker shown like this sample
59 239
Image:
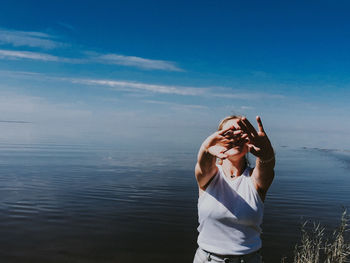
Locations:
311 245
338 249
316 248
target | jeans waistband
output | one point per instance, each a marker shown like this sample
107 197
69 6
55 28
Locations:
229 258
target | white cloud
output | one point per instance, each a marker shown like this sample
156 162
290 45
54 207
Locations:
139 62
30 39
176 105
17 55
102 59
247 96
141 87
138 86
46 41
10 54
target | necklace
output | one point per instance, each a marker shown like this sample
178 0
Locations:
234 175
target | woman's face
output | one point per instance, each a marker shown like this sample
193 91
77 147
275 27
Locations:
240 149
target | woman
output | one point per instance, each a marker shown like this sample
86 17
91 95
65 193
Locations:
231 194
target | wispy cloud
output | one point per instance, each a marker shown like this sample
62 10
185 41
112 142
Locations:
139 62
176 105
46 41
29 39
14 55
248 96
178 90
130 61
18 55
141 87
138 86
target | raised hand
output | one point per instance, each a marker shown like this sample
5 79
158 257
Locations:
221 141
257 142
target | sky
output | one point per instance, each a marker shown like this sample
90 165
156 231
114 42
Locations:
164 73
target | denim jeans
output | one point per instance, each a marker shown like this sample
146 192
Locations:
202 256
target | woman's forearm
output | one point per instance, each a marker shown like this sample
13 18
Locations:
206 161
264 174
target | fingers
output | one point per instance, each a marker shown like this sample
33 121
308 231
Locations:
230 142
245 129
261 127
249 126
222 132
228 134
236 142
232 134
252 149
245 136
237 132
225 142
218 151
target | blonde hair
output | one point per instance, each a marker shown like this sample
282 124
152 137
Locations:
228 118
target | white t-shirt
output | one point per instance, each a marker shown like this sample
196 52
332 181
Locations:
230 213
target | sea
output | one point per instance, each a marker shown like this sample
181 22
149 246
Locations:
88 203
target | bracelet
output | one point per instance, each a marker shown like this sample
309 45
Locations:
266 161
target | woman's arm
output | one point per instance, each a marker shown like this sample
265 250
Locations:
260 146
263 175
213 147
205 166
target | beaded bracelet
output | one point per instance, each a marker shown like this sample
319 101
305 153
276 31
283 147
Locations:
266 161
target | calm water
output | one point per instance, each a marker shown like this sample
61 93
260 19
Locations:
62 203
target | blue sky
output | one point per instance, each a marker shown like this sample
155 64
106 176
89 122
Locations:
165 72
